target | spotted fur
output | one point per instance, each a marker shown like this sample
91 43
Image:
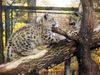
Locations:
74 24
28 37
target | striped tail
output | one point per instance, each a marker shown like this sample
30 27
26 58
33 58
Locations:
9 54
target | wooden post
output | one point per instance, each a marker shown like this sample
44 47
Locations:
7 23
1 36
31 14
67 67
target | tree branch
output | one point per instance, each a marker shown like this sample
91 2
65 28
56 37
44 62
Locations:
54 54
96 34
61 32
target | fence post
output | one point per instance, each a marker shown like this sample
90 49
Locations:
67 67
1 36
7 23
32 15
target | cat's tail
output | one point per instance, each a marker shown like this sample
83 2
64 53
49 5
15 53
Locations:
9 54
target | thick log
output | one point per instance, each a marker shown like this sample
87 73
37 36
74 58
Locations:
86 65
54 54
95 35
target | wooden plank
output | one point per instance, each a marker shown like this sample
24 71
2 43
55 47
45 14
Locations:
7 24
44 8
41 8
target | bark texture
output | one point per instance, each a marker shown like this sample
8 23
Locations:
59 52
54 54
86 65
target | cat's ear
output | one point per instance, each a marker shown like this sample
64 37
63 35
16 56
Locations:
46 16
77 14
39 20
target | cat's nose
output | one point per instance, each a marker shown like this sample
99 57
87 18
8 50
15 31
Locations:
72 23
54 24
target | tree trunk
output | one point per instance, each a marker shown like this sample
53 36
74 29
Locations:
32 14
54 54
87 66
1 36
